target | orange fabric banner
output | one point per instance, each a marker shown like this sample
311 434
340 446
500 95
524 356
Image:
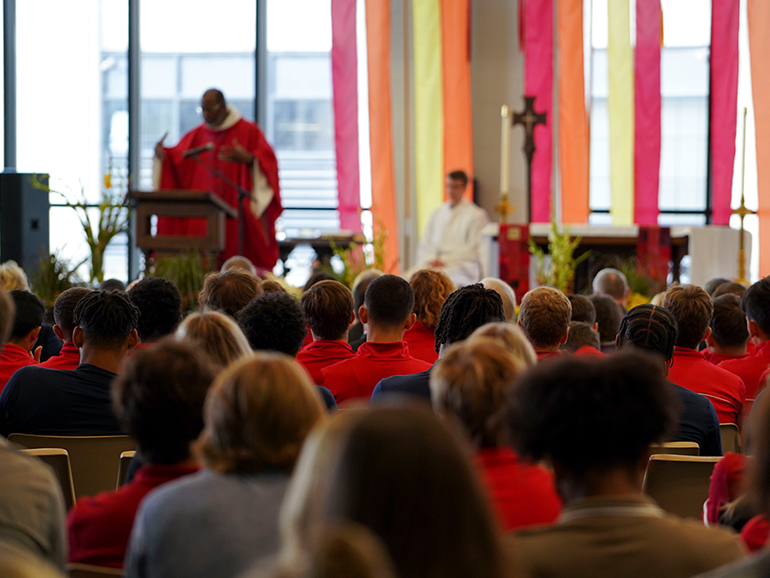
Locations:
573 117
456 60
384 211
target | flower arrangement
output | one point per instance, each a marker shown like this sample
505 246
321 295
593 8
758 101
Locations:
559 272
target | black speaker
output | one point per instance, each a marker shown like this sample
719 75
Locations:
24 225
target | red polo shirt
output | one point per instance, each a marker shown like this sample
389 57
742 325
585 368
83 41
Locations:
68 358
522 494
99 527
541 355
356 377
724 390
750 370
13 357
422 342
717 358
323 353
588 351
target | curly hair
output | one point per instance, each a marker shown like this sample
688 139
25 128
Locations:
431 288
160 307
466 310
274 321
651 328
107 318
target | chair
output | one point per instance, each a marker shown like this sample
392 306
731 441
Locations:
125 462
89 571
679 448
93 458
731 438
679 484
59 460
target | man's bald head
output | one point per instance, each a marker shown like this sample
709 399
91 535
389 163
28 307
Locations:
612 283
215 95
213 107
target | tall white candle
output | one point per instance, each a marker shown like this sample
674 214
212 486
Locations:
505 148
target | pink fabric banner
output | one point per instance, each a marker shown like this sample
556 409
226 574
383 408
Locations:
344 82
725 16
538 70
647 101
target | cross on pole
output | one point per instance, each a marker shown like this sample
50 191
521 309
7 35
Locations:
743 211
529 119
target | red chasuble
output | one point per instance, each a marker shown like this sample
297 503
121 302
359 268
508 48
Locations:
177 172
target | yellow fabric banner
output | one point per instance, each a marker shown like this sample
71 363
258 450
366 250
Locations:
620 105
428 108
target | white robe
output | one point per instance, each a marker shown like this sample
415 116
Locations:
453 235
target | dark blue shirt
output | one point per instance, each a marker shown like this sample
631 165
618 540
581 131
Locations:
698 422
416 385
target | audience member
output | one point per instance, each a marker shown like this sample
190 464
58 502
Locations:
387 313
112 285
729 330
17 352
63 316
239 262
159 400
160 309
328 308
471 384
692 308
711 285
17 562
612 283
583 310
230 291
272 286
222 520
608 317
431 288
216 334
13 277
357 333
582 340
544 316
506 293
45 401
652 328
510 337
729 288
594 420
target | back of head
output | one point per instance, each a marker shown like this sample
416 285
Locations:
106 318
389 301
361 284
217 334
272 286
506 293
159 400
64 308
7 315
608 316
257 415
160 307
510 337
650 328
327 306
239 262
230 291
13 277
756 304
731 287
728 322
466 310
274 321
581 334
692 307
711 285
30 312
582 309
544 315
610 282
317 277
112 285
431 288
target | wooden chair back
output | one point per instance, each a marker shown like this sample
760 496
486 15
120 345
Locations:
731 438
59 460
679 484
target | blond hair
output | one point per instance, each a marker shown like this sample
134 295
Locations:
217 334
13 277
511 337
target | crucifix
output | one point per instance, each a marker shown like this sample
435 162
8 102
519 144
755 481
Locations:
529 119
743 211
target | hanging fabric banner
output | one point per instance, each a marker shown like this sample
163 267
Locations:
344 82
573 118
725 18
384 213
620 106
647 104
538 82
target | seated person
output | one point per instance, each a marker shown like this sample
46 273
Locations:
328 308
160 309
63 313
544 316
431 288
222 520
159 400
582 340
594 420
729 331
729 288
45 401
470 383
711 285
583 310
17 352
387 313
506 293
608 316
511 338
215 333
239 262
229 292
613 284
357 332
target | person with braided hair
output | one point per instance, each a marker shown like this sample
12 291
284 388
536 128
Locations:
652 328
38 400
463 312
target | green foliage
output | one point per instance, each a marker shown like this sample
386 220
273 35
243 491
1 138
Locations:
560 271
54 275
644 279
186 270
360 256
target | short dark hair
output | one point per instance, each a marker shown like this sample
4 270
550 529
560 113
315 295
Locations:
7 313
64 307
274 321
608 316
582 309
466 310
107 318
389 300
728 322
30 312
756 304
112 285
327 306
359 288
692 307
711 285
459 176
730 287
651 328
317 277
229 291
591 414
160 307
159 399
581 334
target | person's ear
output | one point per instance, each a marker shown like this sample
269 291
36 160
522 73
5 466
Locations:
617 341
710 341
59 333
564 337
133 340
77 337
706 335
410 321
363 314
32 336
352 321
753 328
595 326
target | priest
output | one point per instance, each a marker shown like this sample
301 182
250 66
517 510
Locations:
237 149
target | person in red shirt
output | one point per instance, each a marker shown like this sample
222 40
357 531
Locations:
583 340
387 313
17 352
63 316
431 288
544 315
692 307
729 331
328 308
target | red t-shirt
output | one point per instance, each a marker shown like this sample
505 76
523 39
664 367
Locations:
588 351
724 390
750 370
717 358
523 494
323 353
541 355
356 377
68 358
422 342
13 357
99 527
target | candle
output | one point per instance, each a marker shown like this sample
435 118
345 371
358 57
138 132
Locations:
505 148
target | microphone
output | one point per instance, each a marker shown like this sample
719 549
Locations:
197 150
